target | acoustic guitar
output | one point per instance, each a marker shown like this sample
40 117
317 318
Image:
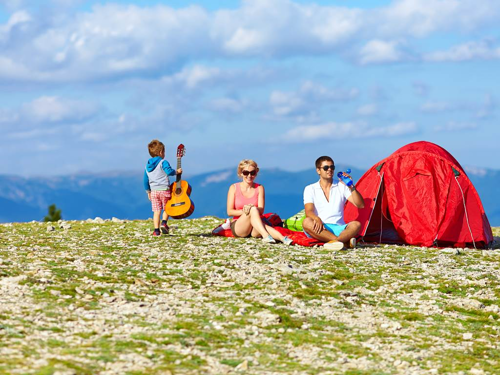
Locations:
180 205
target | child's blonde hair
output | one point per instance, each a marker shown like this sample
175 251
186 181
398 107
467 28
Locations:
155 148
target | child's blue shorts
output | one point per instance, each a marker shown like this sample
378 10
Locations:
334 228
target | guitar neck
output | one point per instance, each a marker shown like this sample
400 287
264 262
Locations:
178 179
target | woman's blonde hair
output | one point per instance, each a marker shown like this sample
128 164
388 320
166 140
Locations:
245 163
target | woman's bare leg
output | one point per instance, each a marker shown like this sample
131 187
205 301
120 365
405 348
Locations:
257 223
243 226
274 233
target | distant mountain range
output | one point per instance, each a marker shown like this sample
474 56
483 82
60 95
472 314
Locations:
121 195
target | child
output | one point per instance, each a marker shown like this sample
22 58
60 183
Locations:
157 184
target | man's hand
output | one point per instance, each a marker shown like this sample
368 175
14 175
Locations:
149 195
318 225
346 175
179 171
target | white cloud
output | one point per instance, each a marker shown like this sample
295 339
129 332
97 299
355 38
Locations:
283 27
476 171
367 110
227 105
8 116
215 178
477 50
284 103
455 126
437 107
421 89
32 134
45 147
192 77
307 98
16 20
13 4
114 40
199 77
488 108
245 41
380 51
94 137
420 18
480 110
334 130
50 109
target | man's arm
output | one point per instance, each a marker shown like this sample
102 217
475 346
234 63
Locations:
317 223
356 198
311 217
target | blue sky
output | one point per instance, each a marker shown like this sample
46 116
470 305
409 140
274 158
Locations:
85 85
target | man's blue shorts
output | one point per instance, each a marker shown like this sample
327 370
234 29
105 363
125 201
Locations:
334 228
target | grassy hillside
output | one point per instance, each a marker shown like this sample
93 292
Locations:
91 297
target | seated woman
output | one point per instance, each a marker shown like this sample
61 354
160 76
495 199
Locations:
245 202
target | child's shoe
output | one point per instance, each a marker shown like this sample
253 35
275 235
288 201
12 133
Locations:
287 241
164 228
156 233
269 239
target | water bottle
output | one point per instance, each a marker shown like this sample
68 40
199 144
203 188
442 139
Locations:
347 180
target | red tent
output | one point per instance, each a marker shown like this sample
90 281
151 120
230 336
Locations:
420 195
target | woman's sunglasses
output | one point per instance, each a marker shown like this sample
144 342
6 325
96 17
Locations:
327 167
251 173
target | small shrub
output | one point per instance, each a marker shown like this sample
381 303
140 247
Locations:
54 214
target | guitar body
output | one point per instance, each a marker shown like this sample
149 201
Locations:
180 205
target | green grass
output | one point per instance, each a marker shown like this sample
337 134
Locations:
191 303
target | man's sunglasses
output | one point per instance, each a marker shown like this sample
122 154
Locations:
251 173
327 167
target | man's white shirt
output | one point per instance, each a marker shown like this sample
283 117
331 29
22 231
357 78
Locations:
329 211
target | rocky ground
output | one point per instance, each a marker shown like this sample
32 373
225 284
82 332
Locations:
107 297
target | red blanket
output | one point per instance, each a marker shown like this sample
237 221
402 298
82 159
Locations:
299 238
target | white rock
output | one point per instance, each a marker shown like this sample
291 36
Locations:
243 366
450 250
493 308
467 336
267 318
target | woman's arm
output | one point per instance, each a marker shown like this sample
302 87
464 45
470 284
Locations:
231 211
262 199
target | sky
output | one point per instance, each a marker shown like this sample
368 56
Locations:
86 85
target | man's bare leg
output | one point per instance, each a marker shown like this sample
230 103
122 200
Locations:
349 232
323 236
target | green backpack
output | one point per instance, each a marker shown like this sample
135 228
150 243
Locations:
295 222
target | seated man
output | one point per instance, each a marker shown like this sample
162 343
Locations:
324 204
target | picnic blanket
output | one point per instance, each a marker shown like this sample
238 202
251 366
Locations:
298 238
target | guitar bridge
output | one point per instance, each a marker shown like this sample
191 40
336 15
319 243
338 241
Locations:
178 204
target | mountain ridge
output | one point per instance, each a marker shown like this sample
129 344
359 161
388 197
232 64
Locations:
120 193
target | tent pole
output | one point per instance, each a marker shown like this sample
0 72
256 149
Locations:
466 214
376 201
